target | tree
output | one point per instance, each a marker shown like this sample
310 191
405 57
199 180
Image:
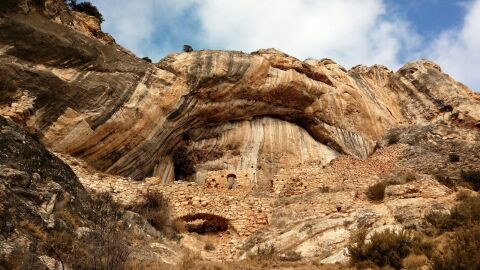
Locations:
87 8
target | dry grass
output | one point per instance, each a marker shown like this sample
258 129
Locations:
291 256
414 261
156 210
103 246
147 264
193 261
70 219
466 213
263 253
461 252
34 229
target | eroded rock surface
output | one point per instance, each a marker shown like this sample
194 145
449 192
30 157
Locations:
281 148
127 117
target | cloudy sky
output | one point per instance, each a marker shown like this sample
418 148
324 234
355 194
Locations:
351 32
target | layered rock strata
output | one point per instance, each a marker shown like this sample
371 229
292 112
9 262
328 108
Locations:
128 117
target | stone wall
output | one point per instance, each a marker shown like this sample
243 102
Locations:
246 212
246 207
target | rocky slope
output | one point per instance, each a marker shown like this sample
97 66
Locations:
49 220
279 127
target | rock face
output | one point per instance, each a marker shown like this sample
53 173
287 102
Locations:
37 191
127 117
280 148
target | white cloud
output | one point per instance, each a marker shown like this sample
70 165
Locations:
143 26
457 51
349 31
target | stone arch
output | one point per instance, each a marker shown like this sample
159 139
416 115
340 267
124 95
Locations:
206 223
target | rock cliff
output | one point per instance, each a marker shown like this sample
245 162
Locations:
279 127
126 116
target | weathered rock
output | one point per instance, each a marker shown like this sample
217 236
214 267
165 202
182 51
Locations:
272 143
126 116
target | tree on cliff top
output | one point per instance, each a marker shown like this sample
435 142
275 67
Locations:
86 7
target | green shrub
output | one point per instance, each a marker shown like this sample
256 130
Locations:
386 248
461 252
376 192
472 177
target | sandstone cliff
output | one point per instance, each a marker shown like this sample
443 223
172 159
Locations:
279 127
125 116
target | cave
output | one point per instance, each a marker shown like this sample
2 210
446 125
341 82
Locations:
204 223
183 165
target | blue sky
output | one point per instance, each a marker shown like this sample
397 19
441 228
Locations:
388 32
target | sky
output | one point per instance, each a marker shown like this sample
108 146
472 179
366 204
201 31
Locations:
351 32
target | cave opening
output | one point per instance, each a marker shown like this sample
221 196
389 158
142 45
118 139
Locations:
183 165
204 223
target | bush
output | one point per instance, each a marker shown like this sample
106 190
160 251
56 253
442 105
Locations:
400 177
441 221
472 177
466 213
147 59
446 181
461 252
386 248
156 210
291 256
264 253
393 137
39 3
453 157
9 90
414 261
209 246
87 8
102 249
376 192
102 246
324 189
